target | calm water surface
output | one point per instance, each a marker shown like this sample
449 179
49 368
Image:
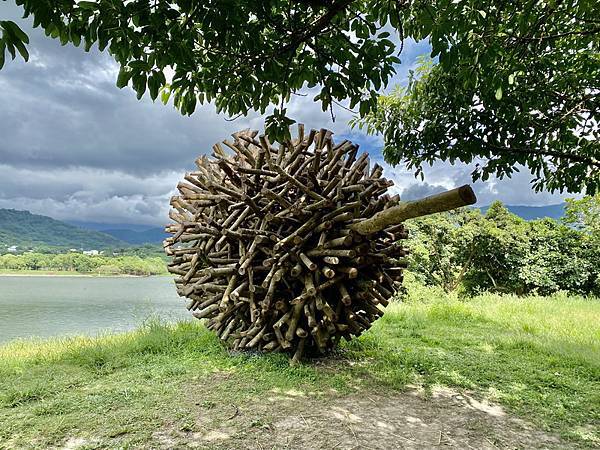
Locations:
59 306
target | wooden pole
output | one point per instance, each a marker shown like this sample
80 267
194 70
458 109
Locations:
444 201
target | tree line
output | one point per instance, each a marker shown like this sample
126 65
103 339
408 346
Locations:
470 252
80 263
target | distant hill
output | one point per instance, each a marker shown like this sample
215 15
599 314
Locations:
534 212
24 229
135 234
103 226
150 236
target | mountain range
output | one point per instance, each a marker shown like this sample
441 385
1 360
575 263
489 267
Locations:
534 212
24 229
135 234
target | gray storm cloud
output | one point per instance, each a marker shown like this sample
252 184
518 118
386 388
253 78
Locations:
74 146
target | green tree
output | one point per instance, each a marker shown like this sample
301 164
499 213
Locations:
63 261
498 251
441 247
12 262
584 214
516 84
558 258
468 251
35 261
498 247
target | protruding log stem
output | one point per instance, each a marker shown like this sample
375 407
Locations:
444 201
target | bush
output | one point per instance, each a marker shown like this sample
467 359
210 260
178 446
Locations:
466 250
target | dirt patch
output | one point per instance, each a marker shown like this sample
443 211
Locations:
72 443
365 420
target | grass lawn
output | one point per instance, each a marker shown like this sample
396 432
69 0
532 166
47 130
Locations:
538 357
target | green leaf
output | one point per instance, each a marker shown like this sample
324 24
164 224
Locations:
139 84
22 50
2 49
64 36
11 49
53 30
75 39
190 104
123 77
14 29
153 86
88 5
165 95
88 44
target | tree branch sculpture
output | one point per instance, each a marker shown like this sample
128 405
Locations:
290 247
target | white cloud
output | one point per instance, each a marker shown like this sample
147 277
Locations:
89 194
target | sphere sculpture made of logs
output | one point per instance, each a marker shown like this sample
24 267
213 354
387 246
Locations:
290 247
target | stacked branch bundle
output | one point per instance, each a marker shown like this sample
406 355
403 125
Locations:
289 246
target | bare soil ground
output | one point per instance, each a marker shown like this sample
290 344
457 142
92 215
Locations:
367 420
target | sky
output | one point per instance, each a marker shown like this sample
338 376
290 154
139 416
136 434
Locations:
75 147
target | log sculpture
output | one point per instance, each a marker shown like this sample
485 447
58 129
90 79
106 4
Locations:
290 247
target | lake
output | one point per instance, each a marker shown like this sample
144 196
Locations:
32 306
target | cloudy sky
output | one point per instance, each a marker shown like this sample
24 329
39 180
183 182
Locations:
75 147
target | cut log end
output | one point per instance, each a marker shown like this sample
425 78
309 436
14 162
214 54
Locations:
467 195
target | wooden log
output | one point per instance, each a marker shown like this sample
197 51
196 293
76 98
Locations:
352 272
331 260
328 271
441 202
310 265
343 241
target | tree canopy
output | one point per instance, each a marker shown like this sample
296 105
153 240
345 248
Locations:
515 83
470 252
243 55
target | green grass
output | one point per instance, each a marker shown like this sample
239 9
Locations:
537 356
